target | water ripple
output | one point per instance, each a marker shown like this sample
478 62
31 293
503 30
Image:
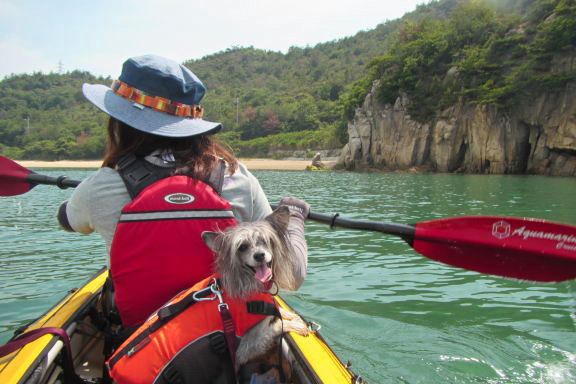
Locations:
396 315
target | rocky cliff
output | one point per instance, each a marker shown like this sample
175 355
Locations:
537 136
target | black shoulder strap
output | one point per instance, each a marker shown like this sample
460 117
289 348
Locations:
259 307
137 174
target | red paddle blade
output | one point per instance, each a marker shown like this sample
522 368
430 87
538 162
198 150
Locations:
526 249
13 178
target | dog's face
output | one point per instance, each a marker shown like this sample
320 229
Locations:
254 251
251 254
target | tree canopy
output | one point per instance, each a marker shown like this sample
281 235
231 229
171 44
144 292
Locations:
476 53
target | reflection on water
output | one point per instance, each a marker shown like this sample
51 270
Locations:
397 316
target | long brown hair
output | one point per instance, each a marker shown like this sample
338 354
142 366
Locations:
197 154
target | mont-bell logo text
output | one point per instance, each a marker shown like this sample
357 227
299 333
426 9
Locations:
179 198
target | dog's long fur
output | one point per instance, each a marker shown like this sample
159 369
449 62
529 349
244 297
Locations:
240 251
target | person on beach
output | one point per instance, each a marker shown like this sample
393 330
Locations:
163 181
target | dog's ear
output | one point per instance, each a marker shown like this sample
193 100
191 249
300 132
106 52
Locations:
279 218
212 240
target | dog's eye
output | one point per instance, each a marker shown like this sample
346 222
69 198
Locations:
243 247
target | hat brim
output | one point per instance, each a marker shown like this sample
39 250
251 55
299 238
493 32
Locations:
143 118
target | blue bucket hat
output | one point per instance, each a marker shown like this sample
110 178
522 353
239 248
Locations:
154 95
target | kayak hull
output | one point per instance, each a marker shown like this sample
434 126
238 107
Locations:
312 360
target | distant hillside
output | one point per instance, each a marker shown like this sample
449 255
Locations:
257 93
267 101
288 101
47 117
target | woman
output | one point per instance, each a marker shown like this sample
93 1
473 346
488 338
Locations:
163 181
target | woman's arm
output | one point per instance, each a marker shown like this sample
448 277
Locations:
299 210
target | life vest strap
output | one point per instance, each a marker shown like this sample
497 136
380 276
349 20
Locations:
169 311
259 307
229 331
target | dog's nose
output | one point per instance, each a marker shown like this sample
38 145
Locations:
259 257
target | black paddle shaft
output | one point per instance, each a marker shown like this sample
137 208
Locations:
405 231
62 182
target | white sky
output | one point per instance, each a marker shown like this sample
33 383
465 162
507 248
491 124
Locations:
98 35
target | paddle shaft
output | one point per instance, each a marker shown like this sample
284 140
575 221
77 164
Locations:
62 182
335 220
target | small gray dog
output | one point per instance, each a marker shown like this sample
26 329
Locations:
250 257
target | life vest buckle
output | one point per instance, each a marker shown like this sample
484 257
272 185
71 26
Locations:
201 295
215 289
218 293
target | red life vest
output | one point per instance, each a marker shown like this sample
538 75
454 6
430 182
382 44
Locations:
183 341
157 250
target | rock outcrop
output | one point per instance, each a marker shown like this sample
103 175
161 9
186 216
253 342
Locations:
535 137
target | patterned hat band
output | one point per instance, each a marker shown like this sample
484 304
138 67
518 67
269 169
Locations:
157 103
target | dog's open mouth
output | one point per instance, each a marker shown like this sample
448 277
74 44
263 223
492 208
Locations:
263 272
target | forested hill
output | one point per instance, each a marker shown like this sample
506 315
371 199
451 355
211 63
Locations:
254 93
266 100
47 117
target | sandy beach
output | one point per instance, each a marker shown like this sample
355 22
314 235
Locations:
270 164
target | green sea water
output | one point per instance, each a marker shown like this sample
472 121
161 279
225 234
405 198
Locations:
398 317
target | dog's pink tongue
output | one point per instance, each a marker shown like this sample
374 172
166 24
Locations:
263 273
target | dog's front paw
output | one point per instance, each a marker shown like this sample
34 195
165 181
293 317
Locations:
297 326
288 315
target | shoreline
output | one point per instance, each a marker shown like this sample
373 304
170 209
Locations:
256 164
